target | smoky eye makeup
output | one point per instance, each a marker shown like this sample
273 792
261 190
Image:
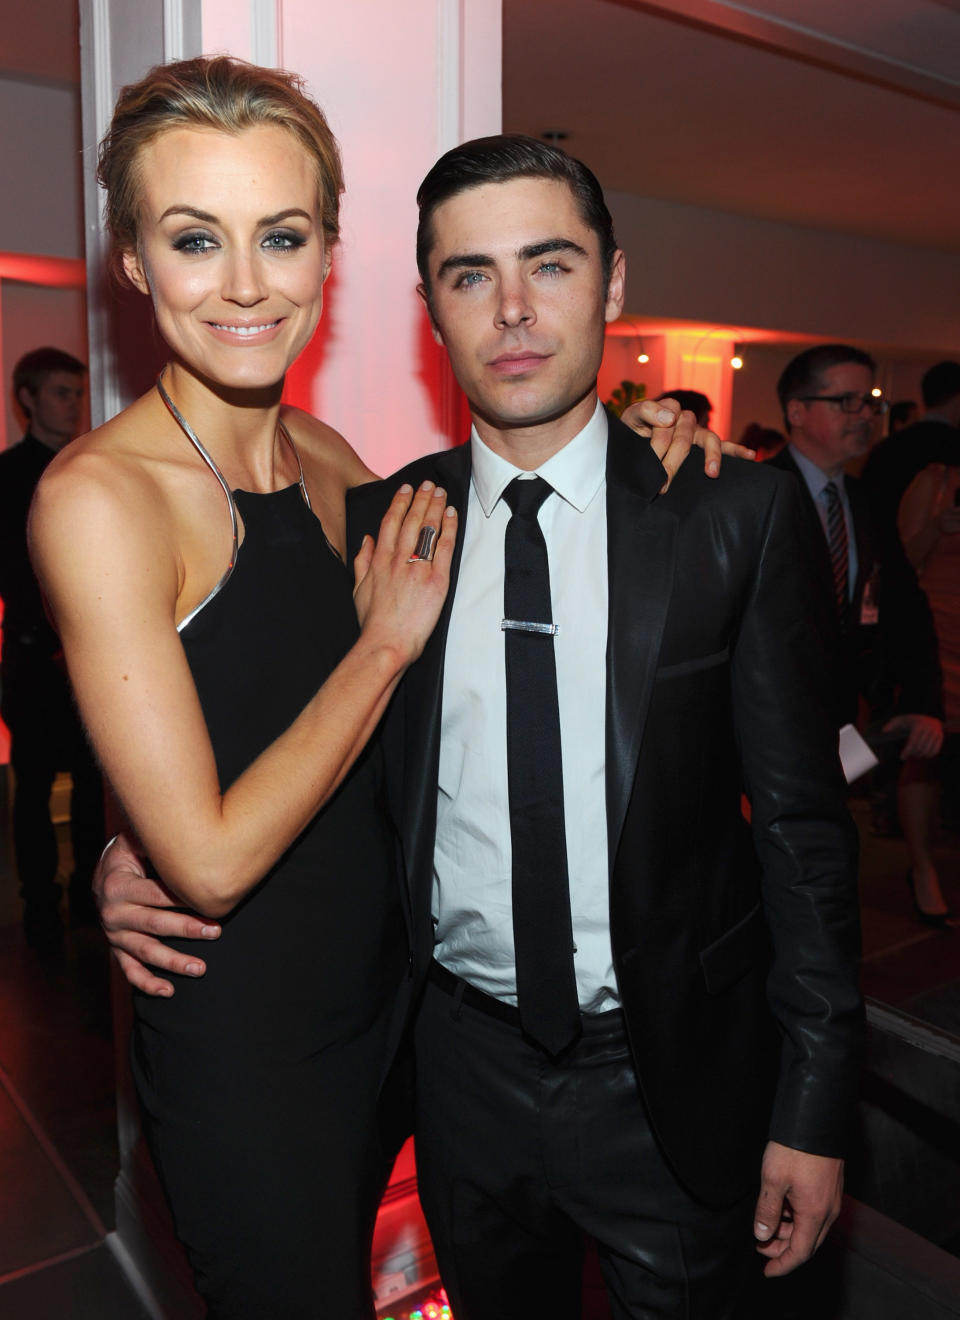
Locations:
283 240
193 240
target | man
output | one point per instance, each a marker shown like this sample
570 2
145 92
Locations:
590 944
45 733
888 647
895 462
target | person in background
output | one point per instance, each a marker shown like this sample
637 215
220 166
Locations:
929 525
693 401
902 413
894 462
765 441
887 647
37 705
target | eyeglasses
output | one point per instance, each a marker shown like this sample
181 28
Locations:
849 403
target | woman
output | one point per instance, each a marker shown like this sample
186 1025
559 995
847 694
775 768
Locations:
929 524
192 553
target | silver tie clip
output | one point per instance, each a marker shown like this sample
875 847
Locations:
520 625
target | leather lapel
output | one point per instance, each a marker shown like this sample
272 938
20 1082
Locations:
422 690
641 553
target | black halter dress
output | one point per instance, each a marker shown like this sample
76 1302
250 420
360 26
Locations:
258 1083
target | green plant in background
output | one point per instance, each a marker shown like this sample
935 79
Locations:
628 391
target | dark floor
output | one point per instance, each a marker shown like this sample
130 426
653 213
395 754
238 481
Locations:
58 1149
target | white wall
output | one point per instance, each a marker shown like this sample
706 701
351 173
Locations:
40 168
714 266
42 214
755 387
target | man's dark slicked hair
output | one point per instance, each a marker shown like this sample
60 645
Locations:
940 384
804 373
498 160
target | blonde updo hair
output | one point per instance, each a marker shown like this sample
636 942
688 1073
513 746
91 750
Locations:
217 92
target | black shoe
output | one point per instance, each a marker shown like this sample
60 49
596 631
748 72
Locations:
935 920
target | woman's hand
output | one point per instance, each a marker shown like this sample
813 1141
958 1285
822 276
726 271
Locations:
673 433
399 594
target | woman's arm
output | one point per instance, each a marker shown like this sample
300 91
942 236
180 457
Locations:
110 571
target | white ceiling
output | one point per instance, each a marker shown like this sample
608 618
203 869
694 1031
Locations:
838 114
851 123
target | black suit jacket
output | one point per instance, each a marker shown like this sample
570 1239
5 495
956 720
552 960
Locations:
893 663
715 683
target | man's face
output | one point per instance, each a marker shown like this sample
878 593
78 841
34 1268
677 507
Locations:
520 302
56 408
829 436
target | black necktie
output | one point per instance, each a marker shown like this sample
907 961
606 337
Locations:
839 549
542 931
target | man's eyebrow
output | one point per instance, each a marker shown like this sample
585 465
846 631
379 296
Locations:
179 208
533 250
479 260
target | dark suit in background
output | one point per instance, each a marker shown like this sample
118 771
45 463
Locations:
891 661
894 462
37 706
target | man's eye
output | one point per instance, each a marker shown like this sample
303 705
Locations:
550 268
470 277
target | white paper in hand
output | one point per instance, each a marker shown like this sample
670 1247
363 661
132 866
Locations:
855 756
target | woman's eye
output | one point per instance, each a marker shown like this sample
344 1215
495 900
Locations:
282 240
193 243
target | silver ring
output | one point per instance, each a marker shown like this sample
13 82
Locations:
424 547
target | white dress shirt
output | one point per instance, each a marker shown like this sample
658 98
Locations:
472 902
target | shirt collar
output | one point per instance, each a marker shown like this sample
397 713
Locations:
575 472
816 479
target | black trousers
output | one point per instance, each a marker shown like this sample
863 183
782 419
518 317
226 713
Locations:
46 736
518 1156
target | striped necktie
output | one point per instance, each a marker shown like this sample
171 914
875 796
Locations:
838 545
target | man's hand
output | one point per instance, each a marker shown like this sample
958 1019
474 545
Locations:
800 1197
672 434
924 734
135 913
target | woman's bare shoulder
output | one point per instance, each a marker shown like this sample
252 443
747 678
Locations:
320 444
111 485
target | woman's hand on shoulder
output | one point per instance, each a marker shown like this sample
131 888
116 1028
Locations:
403 577
673 432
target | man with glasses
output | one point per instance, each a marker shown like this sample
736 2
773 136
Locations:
887 646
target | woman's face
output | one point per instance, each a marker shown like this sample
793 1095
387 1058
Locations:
231 250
